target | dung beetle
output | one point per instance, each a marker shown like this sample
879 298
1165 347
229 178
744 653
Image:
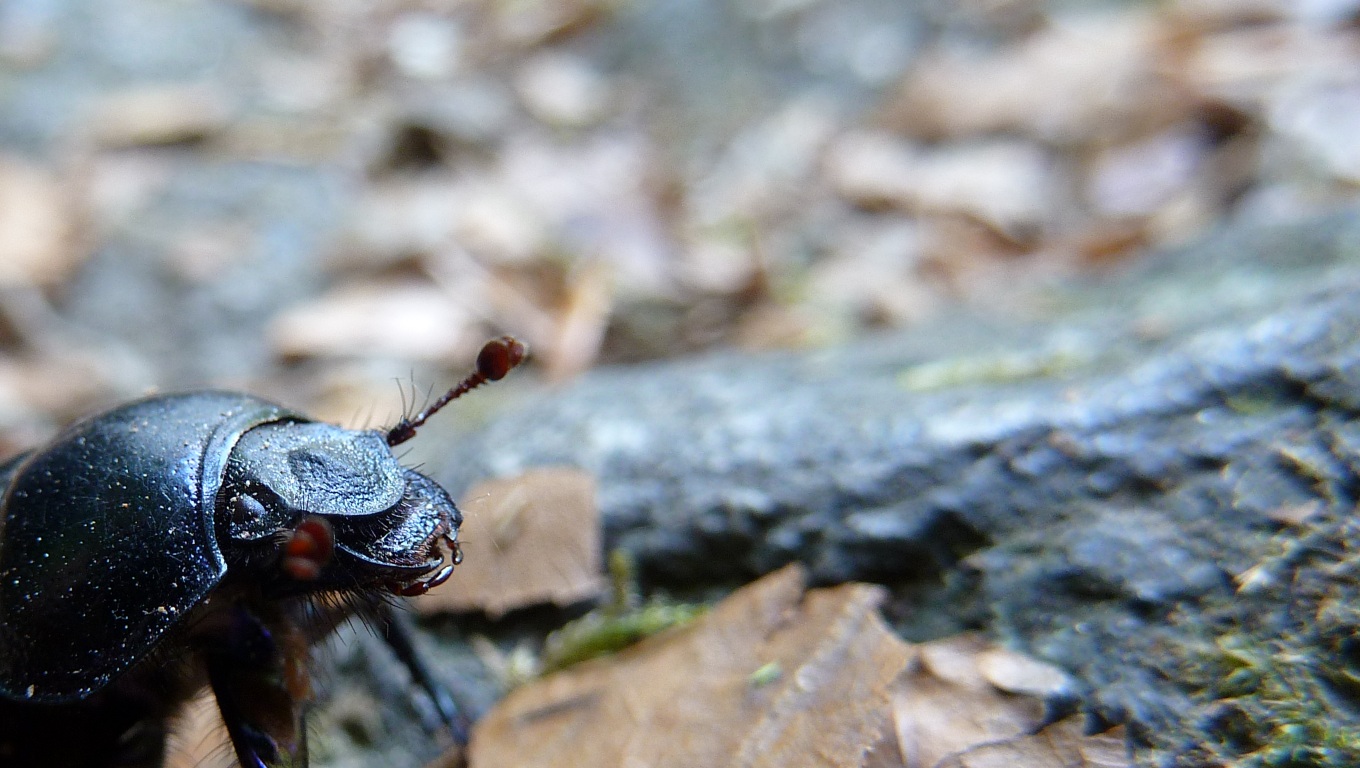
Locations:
206 539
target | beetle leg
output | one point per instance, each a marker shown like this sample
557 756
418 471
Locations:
415 589
396 632
254 749
418 588
440 576
257 675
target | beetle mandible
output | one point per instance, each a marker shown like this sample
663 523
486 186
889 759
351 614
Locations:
205 539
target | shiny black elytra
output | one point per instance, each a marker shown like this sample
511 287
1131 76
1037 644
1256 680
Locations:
203 539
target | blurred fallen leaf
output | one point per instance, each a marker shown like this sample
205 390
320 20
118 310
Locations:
887 753
413 321
581 322
1136 179
425 45
398 217
688 698
563 90
1085 76
527 540
158 114
531 22
1003 183
1061 745
1319 122
1250 66
1020 674
1214 14
35 226
946 704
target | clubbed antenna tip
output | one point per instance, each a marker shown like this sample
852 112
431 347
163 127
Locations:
497 358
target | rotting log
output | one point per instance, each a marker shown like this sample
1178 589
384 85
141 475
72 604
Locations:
1150 487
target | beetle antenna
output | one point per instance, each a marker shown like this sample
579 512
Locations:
496 359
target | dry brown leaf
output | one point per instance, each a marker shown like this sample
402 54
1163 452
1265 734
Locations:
1017 673
1061 745
694 698
954 660
886 753
527 540
947 704
35 226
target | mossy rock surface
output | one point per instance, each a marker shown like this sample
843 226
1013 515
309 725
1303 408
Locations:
1153 487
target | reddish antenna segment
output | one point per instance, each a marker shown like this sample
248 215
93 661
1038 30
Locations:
497 358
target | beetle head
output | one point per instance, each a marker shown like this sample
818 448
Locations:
333 508
363 519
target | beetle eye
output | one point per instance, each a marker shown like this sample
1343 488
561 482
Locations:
249 516
246 510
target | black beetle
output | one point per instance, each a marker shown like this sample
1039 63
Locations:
208 538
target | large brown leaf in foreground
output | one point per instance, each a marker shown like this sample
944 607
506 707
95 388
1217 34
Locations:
773 676
946 704
527 540
1061 745
967 703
